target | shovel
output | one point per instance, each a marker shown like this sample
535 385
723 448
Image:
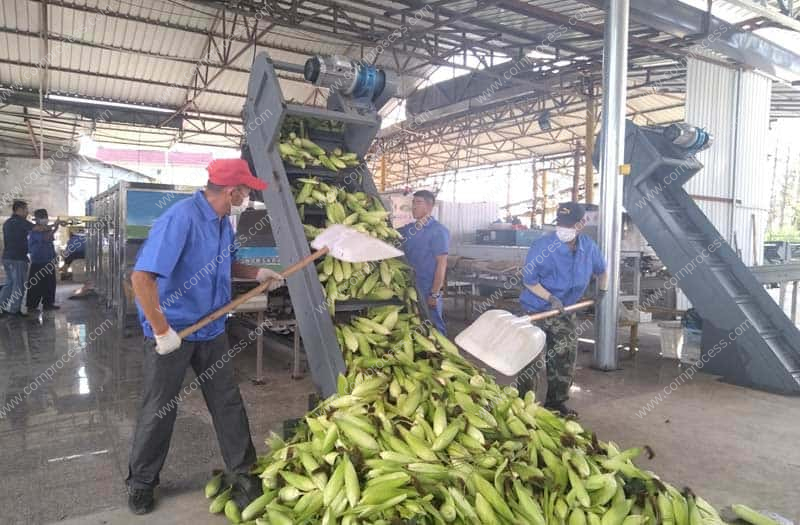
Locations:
341 242
505 342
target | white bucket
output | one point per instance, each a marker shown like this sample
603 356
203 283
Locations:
690 353
671 339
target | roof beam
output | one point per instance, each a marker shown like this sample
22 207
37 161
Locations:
36 148
684 21
529 39
228 60
137 80
597 31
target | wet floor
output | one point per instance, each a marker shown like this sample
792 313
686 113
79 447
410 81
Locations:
70 392
65 433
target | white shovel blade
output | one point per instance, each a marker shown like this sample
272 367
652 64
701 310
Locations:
503 341
347 244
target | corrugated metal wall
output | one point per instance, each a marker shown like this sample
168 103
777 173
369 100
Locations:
711 104
463 218
731 189
752 185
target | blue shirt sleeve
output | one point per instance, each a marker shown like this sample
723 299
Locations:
530 273
440 242
163 247
598 262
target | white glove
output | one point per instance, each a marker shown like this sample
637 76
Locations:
168 342
265 274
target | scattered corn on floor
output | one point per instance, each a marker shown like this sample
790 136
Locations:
64 447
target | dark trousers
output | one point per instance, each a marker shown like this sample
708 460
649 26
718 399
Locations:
162 389
42 282
552 372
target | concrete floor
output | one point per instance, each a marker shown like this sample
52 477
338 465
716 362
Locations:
63 449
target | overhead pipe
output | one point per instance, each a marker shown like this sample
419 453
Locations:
615 77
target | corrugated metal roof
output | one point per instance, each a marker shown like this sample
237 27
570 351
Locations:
735 14
146 52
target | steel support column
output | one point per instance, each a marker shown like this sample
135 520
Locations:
589 176
615 73
576 172
533 195
383 172
544 197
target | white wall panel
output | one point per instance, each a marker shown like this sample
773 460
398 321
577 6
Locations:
732 188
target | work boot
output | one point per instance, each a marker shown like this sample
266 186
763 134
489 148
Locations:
51 307
140 501
246 488
562 409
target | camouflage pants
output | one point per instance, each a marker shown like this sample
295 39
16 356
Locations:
557 361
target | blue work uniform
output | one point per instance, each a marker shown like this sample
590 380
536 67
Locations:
40 247
191 250
560 270
15 262
76 247
42 271
422 243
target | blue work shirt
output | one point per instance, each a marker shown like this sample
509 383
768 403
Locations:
560 270
76 246
191 250
15 238
40 247
421 244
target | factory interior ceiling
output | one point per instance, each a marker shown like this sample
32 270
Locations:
521 76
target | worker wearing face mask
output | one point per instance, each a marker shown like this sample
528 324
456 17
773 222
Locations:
183 273
557 272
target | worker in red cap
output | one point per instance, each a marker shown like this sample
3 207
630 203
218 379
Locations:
183 272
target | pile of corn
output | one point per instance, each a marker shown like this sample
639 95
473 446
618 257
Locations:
343 280
301 152
417 435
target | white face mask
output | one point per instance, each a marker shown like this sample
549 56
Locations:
565 234
237 210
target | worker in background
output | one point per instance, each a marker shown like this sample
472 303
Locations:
75 250
15 258
183 273
426 243
557 272
42 273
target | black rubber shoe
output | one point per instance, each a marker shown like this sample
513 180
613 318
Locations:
51 307
246 488
140 501
562 409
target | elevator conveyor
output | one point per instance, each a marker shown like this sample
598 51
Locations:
357 92
765 352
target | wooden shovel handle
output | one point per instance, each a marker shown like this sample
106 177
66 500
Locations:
252 293
552 313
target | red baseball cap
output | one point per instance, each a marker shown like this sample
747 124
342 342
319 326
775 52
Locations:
233 172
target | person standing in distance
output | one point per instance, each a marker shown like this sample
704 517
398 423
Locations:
557 272
183 273
42 274
15 258
426 243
